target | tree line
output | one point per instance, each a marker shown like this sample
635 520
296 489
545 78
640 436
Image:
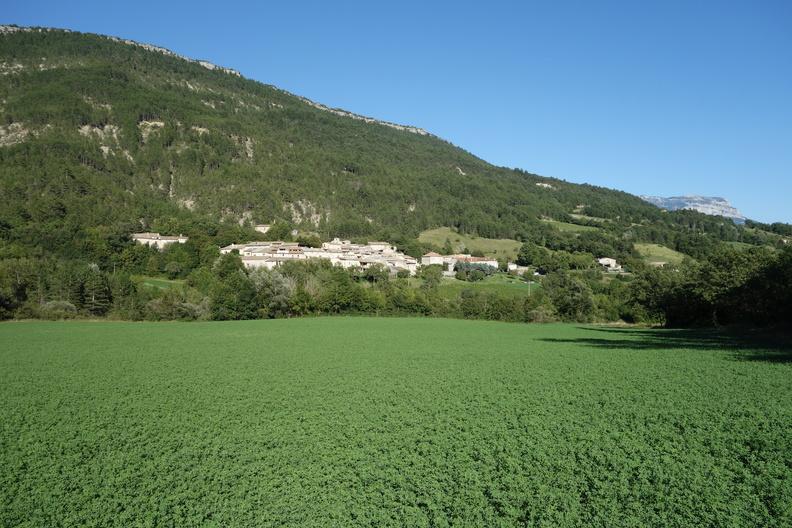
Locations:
730 286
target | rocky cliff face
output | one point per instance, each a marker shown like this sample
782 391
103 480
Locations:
711 205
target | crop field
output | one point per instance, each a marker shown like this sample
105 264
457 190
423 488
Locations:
390 422
491 247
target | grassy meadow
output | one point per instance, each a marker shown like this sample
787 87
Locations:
567 227
390 422
655 254
491 247
503 284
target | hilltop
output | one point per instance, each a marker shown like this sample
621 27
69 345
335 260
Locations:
103 136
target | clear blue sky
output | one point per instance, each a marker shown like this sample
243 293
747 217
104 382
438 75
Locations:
652 97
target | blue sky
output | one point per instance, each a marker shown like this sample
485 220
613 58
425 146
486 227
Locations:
651 97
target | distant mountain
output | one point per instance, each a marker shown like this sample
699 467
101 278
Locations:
709 205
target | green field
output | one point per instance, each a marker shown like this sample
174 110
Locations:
655 253
491 247
390 422
567 227
499 283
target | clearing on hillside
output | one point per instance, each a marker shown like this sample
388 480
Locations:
390 422
655 254
157 282
503 284
491 247
566 227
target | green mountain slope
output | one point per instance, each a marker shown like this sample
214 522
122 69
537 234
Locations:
99 137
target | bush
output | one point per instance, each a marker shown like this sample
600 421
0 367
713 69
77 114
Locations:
58 310
541 314
472 272
431 276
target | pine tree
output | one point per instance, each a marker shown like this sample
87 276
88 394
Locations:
75 290
97 297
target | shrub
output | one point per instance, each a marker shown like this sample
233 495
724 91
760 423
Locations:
58 310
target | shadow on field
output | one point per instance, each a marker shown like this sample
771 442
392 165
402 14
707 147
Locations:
743 345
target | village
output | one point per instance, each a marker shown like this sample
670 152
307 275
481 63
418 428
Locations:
346 254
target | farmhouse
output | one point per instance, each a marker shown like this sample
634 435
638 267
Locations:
157 240
610 264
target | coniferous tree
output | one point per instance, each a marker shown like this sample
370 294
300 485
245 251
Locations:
96 299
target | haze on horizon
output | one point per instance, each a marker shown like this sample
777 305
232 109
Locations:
660 98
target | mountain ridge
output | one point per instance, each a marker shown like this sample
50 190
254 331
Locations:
5 29
11 28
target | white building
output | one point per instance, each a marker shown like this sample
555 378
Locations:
157 240
230 248
382 246
260 262
336 244
432 258
449 262
511 266
469 259
609 264
262 228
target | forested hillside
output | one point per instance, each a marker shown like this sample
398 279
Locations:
100 136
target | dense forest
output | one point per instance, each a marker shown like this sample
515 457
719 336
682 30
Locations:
100 138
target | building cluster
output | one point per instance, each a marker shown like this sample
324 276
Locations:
157 240
346 254
449 262
339 252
